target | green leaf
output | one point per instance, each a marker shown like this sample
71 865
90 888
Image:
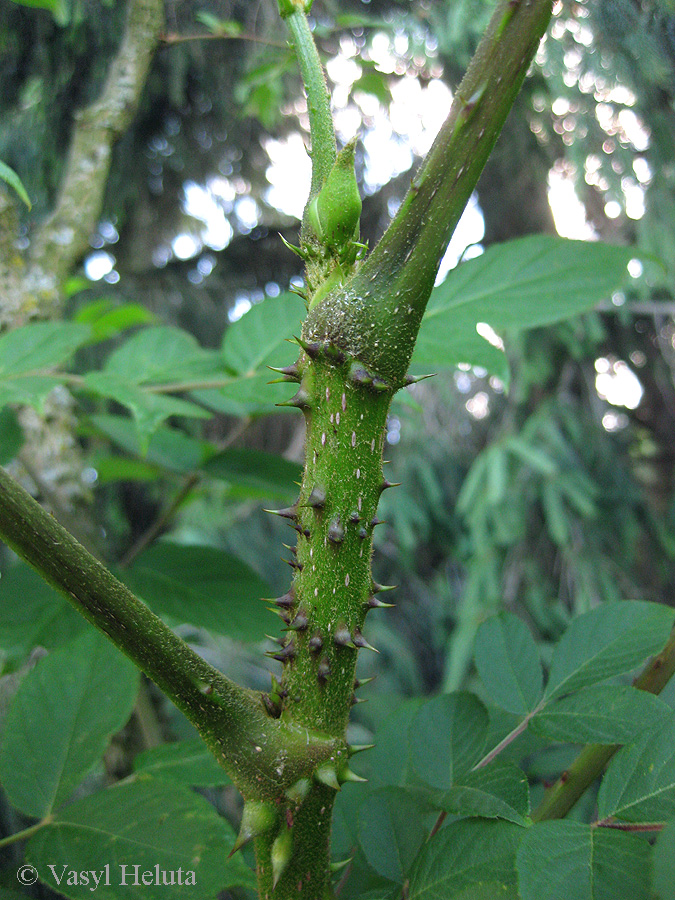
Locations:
573 861
608 641
40 345
108 318
111 468
148 409
162 354
664 863
258 340
601 714
26 352
263 475
11 436
391 759
639 785
147 824
221 27
33 614
508 663
168 447
9 176
190 763
473 858
203 586
447 737
61 719
391 831
522 284
497 791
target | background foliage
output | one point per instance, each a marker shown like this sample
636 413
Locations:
538 480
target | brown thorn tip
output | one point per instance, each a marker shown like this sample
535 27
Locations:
287 653
374 603
323 671
315 642
336 532
300 622
342 637
360 642
289 512
317 498
312 349
379 588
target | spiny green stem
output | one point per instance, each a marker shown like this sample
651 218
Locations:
332 591
232 720
593 759
377 313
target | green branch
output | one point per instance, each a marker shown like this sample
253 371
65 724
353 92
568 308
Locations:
232 720
376 315
324 149
593 759
26 833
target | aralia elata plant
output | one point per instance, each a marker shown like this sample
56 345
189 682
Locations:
286 750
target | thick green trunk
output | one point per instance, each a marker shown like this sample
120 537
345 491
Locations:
331 593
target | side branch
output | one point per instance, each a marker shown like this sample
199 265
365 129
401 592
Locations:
231 719
591 762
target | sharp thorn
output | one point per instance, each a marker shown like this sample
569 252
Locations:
339 866
374 603
257 818
290 512
327 775
299 400
273 707
336 531
382 588
288 652
300 622
281 853
360 642
342 637
286 601
317 498
347 775
311 348
297 792
413 379
315 642
323 670
353 749
297 250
